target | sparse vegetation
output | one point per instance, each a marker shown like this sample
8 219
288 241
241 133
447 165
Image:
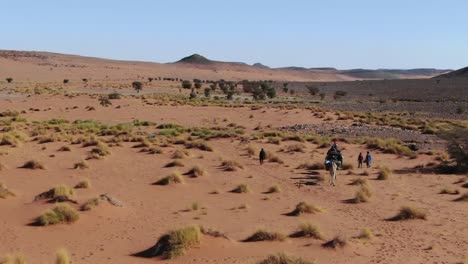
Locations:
196 171
305 208
62 213
90 204
83 184
463 198
241 188
138 86
264 235
175 163
407 213
5 192
384 173
174 244
33 165
231 165
274 189
174 177
282 258
363 194
366 234
81 165
62 257
336 242
308 229
13 259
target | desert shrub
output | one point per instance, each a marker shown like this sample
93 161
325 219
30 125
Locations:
308 229
359 182
336 242
137 85
264 235
276 159
104 101
62 213
83 184
62 190
384 173
186 84
154 150
99 151
80 165
33 165
196 171
64 148
295 148
312 166
312 89
231 165
274 189
180 154
201 145
195 206
13 259
5 192
283 259
174 177
175 163
463 198
241 188
448 190
363 194
114 96
9 80
90 204
305 208
62 257
366 234
174 244
407 212
251 150
392 146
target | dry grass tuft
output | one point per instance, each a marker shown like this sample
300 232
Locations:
463 198
90 204
308 229
241 188
264 235
81 165
347 166
366 234
180 154
4 192
274 189
62 213
274 158
337 242
359 182
251 150
407 213
174 177
64 148
196 171
13 259
175 163
174 244
448 190
62 257
231 165
363 194
305 208
282 258
384 173
83 184
33 165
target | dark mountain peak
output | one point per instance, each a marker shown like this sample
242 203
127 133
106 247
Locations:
259 65
460 73
195 59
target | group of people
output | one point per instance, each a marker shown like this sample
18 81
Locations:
333 155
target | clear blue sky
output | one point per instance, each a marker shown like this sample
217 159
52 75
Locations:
343 34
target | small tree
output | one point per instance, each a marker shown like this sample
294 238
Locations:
84 80
193 94
186 84
138 86
207 92
150 79
230 94
285 87
198 85
322 96
9 79
292 92
312 89
65 81
213 86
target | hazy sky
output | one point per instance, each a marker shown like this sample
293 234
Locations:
343 34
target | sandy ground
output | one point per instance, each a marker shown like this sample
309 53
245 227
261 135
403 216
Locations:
111 234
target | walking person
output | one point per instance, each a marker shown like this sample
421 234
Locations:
262 156
360 159
368 159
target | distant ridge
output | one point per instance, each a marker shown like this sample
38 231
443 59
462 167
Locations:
460 73
259 65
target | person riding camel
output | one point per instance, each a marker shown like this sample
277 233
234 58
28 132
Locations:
333 155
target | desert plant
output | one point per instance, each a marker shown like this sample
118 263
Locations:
308 229
359 181
65 81
104 101
9 80
305 208
196 171
175 163
83 184
407 212
180 154
448 190
347 166
282 258
384 173
90 204
5 192
336 242
276 159
138 86
366 234
13 259
80 165
463 198
62 257
64 148
33 165
62 213
114 96
363 194
62 190
174 177
274 189
195 206
241 188
231 165
264 235
174 244
312 89
251 150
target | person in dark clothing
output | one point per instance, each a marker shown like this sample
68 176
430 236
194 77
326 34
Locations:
368 159
360 159
262 156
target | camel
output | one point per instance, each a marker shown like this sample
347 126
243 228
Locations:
332 169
